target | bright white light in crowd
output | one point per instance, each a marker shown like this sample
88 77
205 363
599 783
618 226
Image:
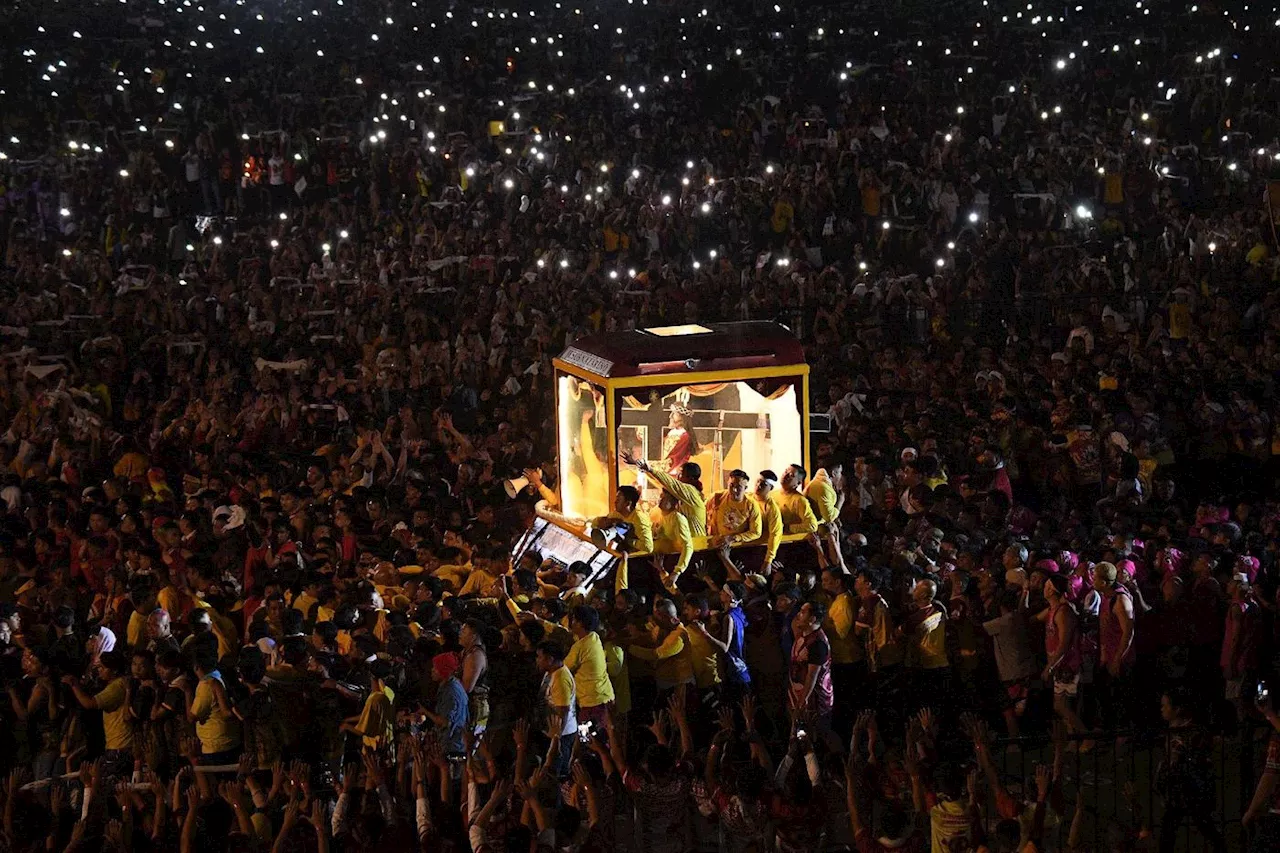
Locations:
564 189
1146 140
862 265
1231 167
713 253
1011 90
343 234
541 263
124 173
1083 212
947 138
940 262
635 173
217 241
604 167
666 201
1146 116
768 170
564 263
960 110
168 143
1213 247
631 272
706 208
1164 170
325 247
275 244
973 217
784 262
697 265
885 225
190 248
1261 151
508 183
65 212
613 274
373 139
1062 63
951 245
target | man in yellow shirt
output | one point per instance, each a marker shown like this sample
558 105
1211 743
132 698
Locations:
825 493
702 653
670 650
925 631
376 724
734 518
559 695
586 660
672 537
626 503
113 702
217 727
797 515
770 519
687 490
847 655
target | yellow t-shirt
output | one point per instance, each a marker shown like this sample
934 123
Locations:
692 505
673 537
1179 321
783 213
478 581
377 723
838 626
871 200
619 677
610 239
115 715
218 730
797 515
302 603
586 660
928 648
642 529
672 664
227 635
131 465
822 497
454 575
739 519
703 656
770 527
137 630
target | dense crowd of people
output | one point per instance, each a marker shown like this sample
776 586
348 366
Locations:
282 285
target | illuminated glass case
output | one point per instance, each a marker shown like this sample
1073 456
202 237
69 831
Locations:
724 395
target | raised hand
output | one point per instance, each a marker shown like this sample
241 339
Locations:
726 721
659 726
926 720
521 732
1044 778
749 713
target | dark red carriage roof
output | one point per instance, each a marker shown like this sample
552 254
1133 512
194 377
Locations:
705 347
